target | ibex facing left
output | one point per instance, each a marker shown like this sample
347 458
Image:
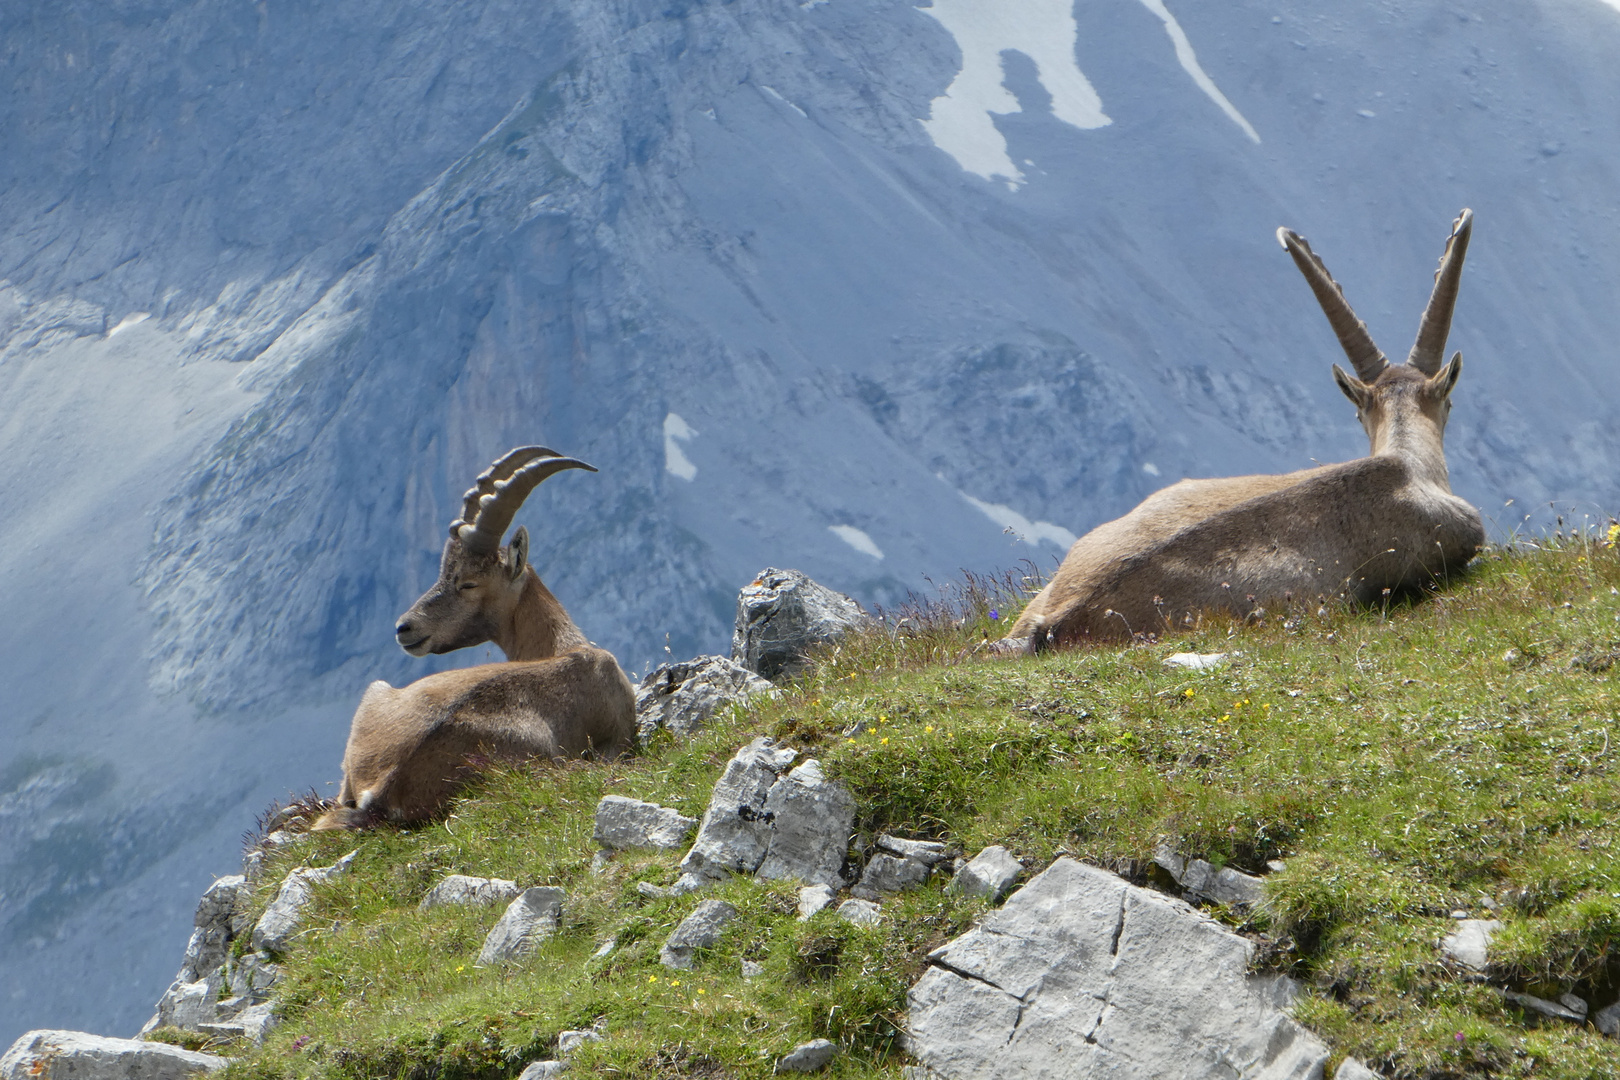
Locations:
557 697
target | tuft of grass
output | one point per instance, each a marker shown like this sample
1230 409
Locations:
1384 768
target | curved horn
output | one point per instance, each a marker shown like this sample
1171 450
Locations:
504 467
1367 358
498 505
1429 351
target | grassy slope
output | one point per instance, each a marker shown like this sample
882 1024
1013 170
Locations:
1404 764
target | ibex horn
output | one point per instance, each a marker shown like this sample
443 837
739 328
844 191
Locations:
1367 358
1429 351
492 502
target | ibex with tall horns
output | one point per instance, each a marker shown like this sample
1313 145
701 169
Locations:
557 697
1383 523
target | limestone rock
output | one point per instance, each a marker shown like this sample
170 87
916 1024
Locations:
927 852
814 898
886 874
1469 944
1351 1069
471 891
752 969
1553 1010
625 824
1081 974
543 1070
211 939
74 1055
1202 881
1195 661
760 821
809 1057
250 977
782 615
1607 1020
280 921
699 930
990 874
527 921
681 697
569 1041
860 912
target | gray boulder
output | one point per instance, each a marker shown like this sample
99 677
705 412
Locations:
470 891
211 938
1552 1010
1082 974
250 977
529 919
699 930
760 821
860 912
990 874
285 914
1202 881
782 615
543 1070
927 852
624 824
886 874
809 1057
252 1023
681 697
74 1055
1469 944
1607 1020
814 898
1351 1069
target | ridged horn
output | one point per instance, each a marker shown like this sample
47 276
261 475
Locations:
1365 356
492 502
1429 350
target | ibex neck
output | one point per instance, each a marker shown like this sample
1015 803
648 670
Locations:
538 626
1418 442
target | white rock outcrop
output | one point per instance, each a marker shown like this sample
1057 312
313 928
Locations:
528 920
74 1055
462 890
989 874
782 615
282 919
680 698
1083 974
809 1057
627 824
699 930
1469 944
1203 882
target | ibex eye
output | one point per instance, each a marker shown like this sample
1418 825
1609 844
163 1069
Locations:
468 585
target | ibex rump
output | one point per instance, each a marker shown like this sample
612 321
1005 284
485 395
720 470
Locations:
1382 523
557 697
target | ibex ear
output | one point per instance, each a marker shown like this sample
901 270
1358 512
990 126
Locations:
1354 389
1442 381
517 553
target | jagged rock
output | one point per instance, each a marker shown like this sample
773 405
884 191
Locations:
471 891
990 874
253 860
1607 1020
211 938
624 824
1081 973
1203 881
1470 943
282 918
569 1041
543 1070
1351 1069
860 912
759 821
698 930
1574 1004
682 697
887 874
74 1055
752 969
253 1022
187 1004
250 977
809 1057
1551 1009
782 615
927 852
528 920
653 892
814 898
1195 661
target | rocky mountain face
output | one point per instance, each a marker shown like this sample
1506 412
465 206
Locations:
867 290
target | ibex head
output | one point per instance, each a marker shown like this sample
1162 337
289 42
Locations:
1399 405
482 584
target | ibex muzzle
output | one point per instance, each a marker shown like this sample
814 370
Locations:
1359 530
559 697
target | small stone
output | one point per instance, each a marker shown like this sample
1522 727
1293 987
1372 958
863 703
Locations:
626 824
1574 1004
601 861
1469 943
689 883
528 920
471 891
681 698
808 1057
75 1055
782 616
605 949
653 892
281 920
860 912
1201 880
813 898
752 970
887 874
989 875
1351 1069
569 1041
1550 1009
928 852
542 1070
1276 866
699 930
1192 661
1459 914
1607 1020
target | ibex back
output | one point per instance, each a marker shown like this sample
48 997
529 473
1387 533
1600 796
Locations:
557 697
1382 523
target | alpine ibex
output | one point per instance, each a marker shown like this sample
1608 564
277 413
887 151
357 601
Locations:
557 697
1382 523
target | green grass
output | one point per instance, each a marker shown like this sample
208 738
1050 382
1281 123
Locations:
1451 753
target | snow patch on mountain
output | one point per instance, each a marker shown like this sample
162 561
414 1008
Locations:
1189 64
676 463
1022 527
856 539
